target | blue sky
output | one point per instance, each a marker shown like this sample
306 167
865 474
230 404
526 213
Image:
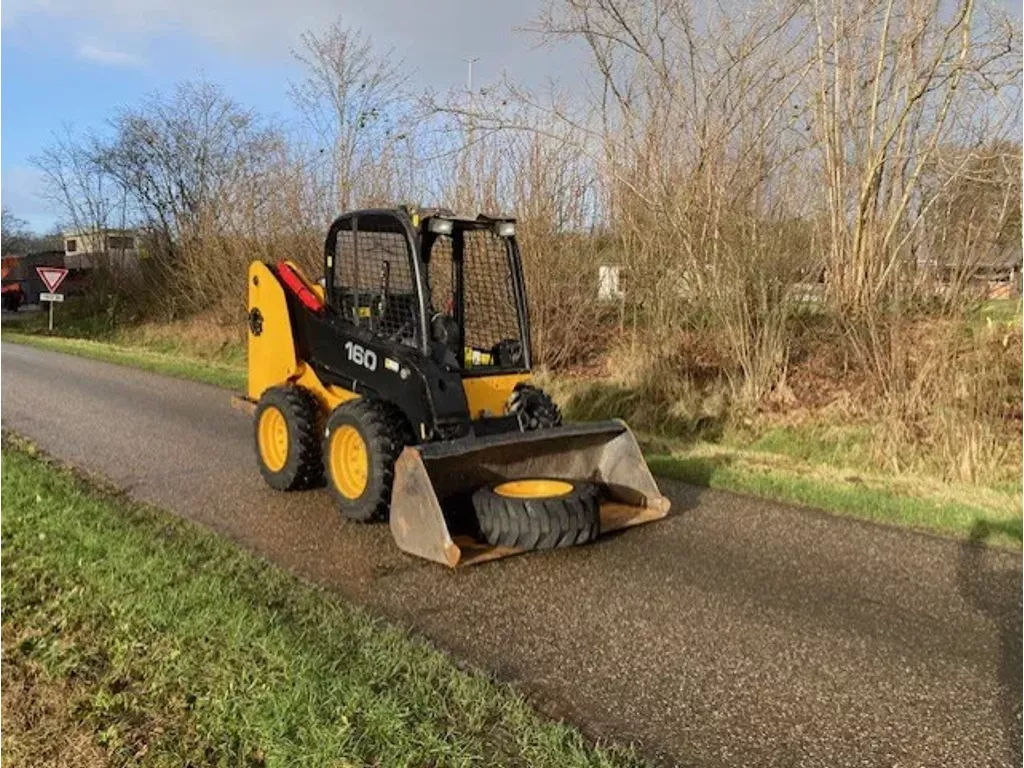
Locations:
78 61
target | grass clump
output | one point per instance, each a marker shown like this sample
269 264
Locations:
837 446
142 639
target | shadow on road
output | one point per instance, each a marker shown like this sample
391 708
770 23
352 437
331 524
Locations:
993 588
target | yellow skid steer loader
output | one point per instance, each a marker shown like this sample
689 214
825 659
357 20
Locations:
403 380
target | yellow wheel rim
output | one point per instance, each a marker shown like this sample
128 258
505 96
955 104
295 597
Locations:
349 461
272 436
533 489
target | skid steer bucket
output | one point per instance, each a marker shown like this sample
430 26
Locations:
431 512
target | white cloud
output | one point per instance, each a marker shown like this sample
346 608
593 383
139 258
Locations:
93 52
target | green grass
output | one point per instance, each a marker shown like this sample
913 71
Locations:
920 503
807 465
169 363
1002 311
837 446
153 642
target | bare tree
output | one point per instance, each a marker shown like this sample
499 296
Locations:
75 182
896 84
352 102
14 232
180 158
693 123
971 230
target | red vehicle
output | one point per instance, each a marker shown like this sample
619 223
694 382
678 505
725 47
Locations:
11 293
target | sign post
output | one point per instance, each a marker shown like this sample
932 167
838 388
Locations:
52 277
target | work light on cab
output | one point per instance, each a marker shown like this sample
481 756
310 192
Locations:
441 226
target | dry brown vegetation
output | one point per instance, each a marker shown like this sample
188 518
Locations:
40 724
801 197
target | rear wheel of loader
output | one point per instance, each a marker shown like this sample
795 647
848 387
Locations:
538 513
363 441
287 439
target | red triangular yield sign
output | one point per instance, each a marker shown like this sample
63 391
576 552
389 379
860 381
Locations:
52 277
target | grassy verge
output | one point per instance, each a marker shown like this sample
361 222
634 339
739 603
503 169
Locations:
132 637
176 364
799 466
923 504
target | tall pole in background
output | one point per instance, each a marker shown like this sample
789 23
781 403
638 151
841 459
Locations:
470 132
469 73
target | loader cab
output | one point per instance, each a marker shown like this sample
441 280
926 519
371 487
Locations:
373 278
477 307
450 286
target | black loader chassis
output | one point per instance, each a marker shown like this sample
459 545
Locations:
431 398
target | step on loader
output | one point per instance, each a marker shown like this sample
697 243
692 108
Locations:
402 380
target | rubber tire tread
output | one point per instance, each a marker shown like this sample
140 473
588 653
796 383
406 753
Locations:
304 467
540 411
386 432
538 524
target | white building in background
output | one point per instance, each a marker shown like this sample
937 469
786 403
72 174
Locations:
115 248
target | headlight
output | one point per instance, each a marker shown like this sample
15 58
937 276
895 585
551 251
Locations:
505 228
440 226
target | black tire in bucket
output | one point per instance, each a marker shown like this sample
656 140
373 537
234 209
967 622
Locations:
538 513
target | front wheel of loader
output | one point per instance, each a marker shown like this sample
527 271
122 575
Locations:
362 442
534 407
538 513
287 439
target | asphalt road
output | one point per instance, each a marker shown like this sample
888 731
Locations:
735 632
